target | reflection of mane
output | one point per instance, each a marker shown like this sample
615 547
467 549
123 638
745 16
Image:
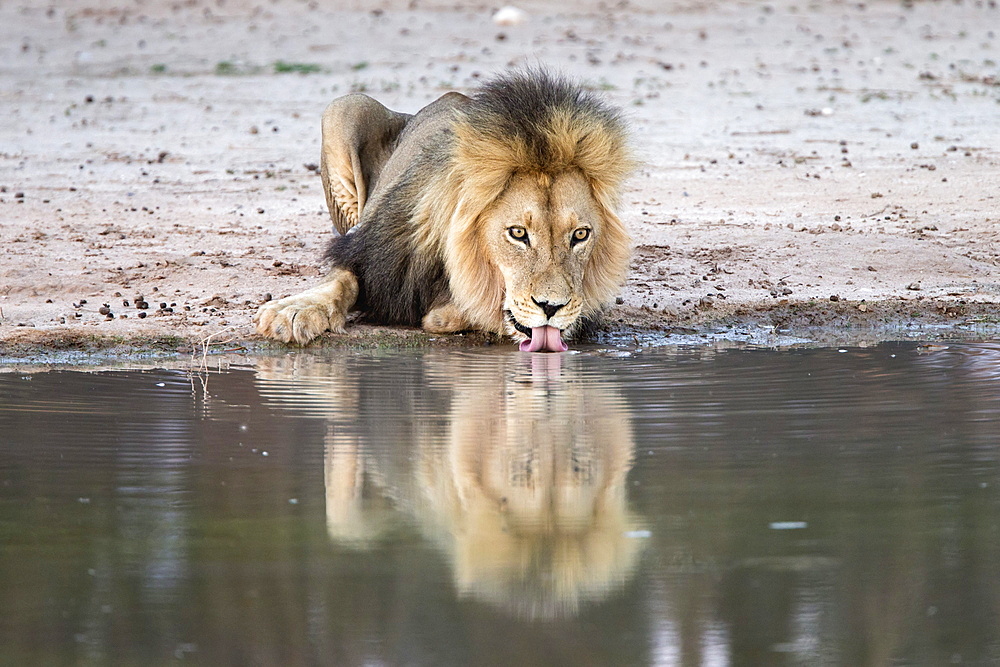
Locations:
529 489
521 484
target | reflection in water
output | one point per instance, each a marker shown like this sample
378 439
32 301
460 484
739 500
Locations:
518 477
802 507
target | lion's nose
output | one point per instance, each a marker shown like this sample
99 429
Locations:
549 309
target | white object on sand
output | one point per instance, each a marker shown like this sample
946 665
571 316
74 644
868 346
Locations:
510 15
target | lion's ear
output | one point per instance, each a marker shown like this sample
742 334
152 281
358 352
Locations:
359 134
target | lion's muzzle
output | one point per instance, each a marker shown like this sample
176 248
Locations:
549 308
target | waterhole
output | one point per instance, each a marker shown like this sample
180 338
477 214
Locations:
462 507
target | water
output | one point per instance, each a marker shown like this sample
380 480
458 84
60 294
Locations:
684 506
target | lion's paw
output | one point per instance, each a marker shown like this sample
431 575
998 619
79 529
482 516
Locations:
445 319
298 319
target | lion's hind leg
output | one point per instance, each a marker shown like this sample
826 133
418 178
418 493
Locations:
359 135
302 317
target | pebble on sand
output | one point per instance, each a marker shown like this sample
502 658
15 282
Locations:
510 16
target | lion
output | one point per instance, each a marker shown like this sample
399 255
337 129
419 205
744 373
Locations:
494 212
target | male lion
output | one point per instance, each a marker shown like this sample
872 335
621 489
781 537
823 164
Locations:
495 212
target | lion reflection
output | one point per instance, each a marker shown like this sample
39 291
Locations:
520 480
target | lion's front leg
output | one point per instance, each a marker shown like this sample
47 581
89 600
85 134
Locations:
445 318
302 317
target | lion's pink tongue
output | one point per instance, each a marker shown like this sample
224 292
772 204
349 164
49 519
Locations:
544 338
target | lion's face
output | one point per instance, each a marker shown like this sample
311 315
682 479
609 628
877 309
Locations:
541 234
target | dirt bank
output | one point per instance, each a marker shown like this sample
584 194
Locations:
820 167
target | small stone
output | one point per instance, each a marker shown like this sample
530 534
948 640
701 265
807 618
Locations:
914 145
914 286
510 16
834 297
142 315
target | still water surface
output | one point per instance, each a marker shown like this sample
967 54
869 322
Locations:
685 506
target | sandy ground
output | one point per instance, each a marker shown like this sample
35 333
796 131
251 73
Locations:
805 164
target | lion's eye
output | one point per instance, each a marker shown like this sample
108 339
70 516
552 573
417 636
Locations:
580 235
518 234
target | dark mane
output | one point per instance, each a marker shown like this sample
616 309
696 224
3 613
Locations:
397 284
521 105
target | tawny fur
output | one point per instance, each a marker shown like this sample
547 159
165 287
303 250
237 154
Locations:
435 195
